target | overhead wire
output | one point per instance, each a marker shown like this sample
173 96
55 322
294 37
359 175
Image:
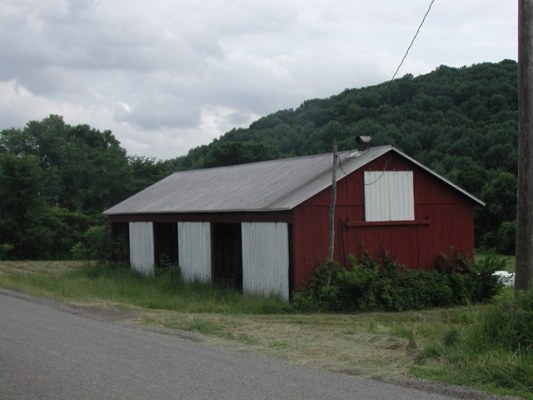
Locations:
410 45
401 63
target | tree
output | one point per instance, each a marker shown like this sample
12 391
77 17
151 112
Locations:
82 168
55 181
21 204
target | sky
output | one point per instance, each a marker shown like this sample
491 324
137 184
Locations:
169 75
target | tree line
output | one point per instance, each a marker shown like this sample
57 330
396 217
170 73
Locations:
56 179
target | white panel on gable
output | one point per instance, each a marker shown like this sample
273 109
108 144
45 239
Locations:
389 196
142 247
265 258
194 250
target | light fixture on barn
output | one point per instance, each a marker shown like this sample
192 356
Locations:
362 143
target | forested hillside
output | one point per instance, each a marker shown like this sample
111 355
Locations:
56 179
461 122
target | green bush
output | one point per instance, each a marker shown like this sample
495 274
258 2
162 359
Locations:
387 285
95 244
493 350
509 323
506 238
482 282
5 249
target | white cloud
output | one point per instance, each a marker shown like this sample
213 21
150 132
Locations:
167 75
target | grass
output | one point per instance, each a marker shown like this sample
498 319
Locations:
439 344
117 284
493 351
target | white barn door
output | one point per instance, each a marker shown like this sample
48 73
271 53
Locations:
194 250
142 247
265 258
389 196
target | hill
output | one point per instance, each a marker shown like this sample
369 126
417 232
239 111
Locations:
55 179
461 122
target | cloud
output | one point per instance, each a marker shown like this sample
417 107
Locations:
167 75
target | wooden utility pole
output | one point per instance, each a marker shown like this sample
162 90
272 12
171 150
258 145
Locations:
332 204
524 212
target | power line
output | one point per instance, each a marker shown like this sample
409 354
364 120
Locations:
411 44
400 65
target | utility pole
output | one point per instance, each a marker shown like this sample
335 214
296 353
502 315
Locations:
332 206
333 203
524 212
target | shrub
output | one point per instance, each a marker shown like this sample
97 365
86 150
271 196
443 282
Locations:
494 349
506 238
387 285
482 283
5 250
318 295
509 323
95 244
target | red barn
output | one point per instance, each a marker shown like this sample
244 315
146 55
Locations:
263 226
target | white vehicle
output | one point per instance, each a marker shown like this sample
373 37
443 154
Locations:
507 278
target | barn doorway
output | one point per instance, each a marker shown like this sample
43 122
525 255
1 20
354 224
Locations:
165 244
227 254
120 242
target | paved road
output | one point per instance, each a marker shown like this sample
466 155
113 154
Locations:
50 353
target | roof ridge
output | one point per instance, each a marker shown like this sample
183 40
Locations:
272 160
327 171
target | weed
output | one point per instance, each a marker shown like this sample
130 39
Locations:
496 352
451 337
118 283
387 285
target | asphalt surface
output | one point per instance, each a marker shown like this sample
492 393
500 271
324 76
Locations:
51 353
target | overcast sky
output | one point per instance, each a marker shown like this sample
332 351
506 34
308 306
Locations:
169 75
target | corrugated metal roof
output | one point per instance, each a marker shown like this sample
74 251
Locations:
263 186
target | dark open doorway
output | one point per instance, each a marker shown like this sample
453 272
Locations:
227 254
165 244
120 242
291 261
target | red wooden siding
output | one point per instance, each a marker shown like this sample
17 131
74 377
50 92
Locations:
443 219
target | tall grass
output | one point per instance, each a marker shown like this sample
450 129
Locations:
493 352
117 283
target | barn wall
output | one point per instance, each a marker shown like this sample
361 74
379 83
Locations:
194 250
442 218
142 247
265 256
